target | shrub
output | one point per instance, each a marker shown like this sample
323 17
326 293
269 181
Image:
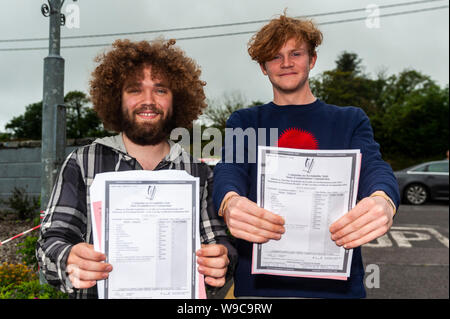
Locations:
31 290
17 281
24 206
28 252
13 274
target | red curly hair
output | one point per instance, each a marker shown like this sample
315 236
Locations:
126 61
266 43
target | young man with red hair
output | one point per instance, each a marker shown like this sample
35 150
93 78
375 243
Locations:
286 51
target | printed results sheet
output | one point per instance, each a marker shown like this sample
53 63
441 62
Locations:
310 190
147 225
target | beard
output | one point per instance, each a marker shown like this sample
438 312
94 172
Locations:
147 133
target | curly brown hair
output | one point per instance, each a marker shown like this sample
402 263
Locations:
126 61
266 43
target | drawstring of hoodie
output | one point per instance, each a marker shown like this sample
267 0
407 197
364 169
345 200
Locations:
118 163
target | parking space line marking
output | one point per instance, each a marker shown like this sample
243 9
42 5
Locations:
398 235
441 238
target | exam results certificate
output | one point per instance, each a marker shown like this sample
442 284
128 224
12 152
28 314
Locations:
149 233
310 189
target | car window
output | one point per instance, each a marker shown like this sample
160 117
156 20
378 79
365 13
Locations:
421 168
438 167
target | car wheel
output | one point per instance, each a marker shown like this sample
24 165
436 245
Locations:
416 194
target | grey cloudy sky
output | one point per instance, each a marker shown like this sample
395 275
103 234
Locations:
417 40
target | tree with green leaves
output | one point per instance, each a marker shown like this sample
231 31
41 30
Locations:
347 85
29 124
81 119
415 117
218 111
217 114
408 111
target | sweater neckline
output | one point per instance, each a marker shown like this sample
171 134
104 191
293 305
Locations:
305 107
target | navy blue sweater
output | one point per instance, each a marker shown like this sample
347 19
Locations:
312 126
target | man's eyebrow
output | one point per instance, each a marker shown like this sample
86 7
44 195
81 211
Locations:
160 84
131 84
135 83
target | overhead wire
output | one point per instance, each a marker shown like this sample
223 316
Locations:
223 25
217 25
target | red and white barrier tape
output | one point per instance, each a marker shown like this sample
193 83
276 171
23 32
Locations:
23 233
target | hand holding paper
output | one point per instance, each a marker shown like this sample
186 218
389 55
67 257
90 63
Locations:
246 220
85 266
212 262
369 219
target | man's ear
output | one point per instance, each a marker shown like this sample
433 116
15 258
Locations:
263 68
312 61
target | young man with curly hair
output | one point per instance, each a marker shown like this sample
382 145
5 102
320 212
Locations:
285 49
142 91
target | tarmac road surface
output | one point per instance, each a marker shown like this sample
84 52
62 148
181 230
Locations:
412 259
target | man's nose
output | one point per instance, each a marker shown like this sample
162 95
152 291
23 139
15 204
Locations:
286 62
148 98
